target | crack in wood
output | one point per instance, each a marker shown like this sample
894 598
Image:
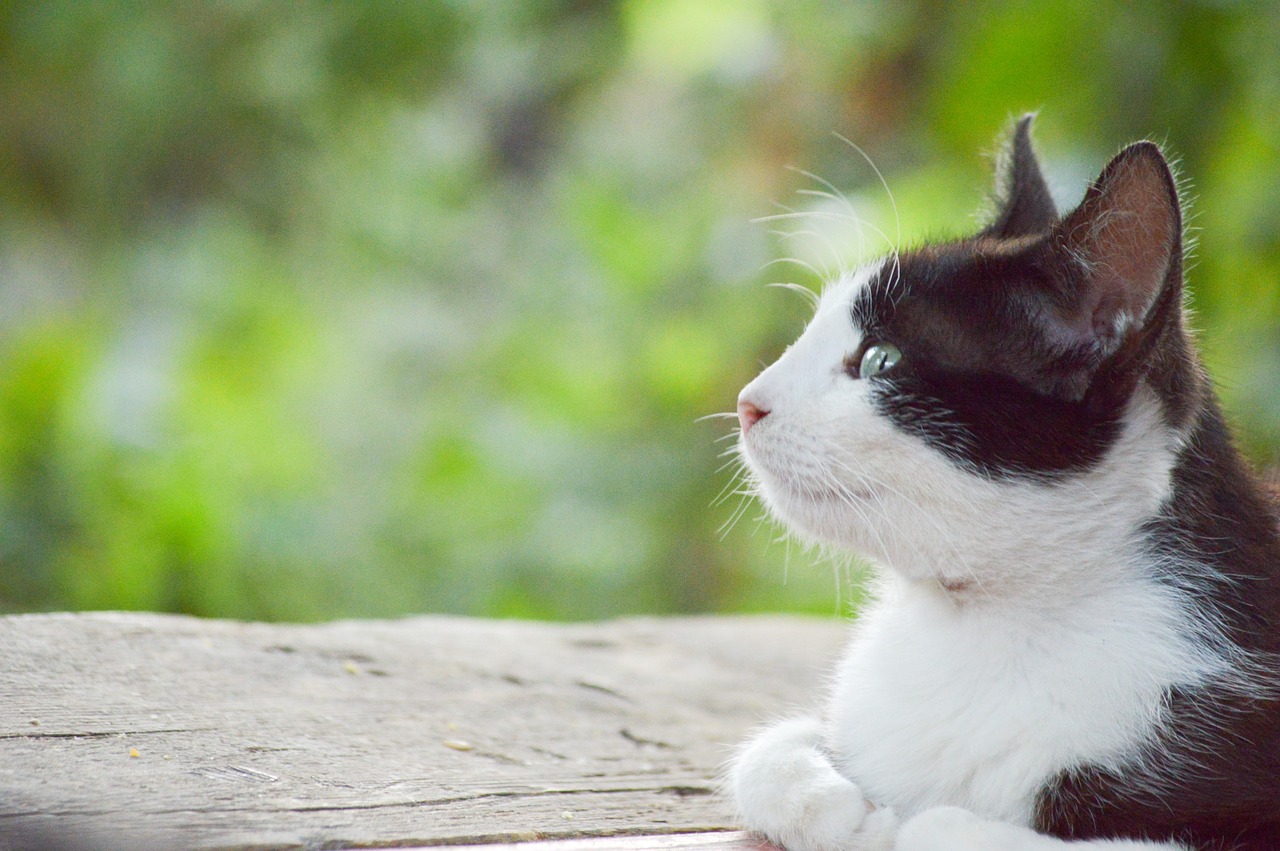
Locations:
680 790
640 740
513 794
235 773
102 734
602 690
688 791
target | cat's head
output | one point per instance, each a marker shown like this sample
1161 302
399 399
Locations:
959 404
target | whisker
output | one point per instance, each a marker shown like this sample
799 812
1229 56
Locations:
792 215
809 295
884 183
857 221
726 465
728 525
819 236
731 489
804 264
832 192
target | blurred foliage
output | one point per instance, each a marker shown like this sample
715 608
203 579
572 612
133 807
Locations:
323 309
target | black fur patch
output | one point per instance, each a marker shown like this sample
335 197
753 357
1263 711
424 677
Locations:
977 374
1021 348
1212 780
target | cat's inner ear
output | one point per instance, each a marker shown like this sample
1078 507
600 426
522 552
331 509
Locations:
1119 246
1025 206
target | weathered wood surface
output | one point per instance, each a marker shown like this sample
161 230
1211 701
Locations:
181 733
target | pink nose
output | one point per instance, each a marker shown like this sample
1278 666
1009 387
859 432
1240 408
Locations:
749 414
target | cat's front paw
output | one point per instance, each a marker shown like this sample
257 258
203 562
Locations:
786 789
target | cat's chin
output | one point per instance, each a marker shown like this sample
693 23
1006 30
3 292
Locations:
823 498
824 515
853 522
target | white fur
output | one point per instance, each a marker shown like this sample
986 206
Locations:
1018 629
794 795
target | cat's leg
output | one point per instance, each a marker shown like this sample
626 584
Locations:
786 788
954 829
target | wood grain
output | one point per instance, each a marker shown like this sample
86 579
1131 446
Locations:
136 730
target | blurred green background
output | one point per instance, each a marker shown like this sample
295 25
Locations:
324 309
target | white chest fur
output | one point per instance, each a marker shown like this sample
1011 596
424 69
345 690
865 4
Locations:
979 704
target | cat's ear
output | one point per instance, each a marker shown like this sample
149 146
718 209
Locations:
1025 205
1121 250
1114 274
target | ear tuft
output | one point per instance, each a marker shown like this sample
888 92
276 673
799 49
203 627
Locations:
1026 207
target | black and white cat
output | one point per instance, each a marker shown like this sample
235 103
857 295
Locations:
1075 637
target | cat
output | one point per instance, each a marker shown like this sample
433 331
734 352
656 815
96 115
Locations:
1075 634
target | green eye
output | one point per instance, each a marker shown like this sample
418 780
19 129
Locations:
877 358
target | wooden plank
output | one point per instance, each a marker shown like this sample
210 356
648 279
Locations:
139 728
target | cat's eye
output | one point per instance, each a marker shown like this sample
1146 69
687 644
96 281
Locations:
877 358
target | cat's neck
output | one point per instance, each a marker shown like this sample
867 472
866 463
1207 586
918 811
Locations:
1187 514
1045 543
